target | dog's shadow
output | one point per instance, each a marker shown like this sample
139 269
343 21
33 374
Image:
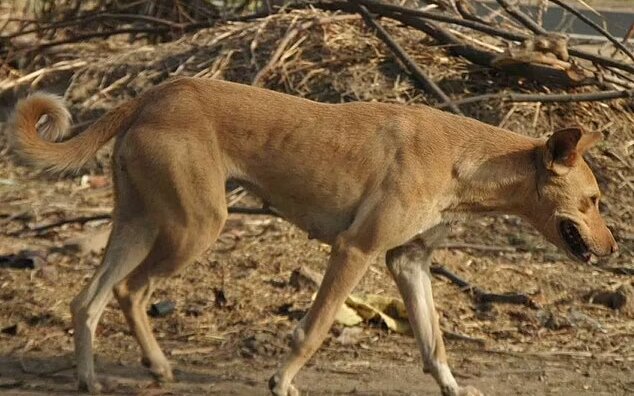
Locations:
56 375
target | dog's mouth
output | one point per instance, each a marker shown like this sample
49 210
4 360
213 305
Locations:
576 245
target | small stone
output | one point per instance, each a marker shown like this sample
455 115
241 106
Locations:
304 278
350 336
161 309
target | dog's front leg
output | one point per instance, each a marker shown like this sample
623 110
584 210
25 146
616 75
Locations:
409 265
347 265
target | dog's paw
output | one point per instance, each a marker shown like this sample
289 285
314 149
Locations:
278 389
468 391
91 386
162 371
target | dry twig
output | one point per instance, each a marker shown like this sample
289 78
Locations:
479 295
546 98
107 216
413 68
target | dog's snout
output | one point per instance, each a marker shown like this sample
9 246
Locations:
614 248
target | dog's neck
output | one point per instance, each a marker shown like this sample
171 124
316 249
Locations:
496 173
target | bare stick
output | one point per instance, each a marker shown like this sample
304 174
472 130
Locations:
382 8
479 56
106 216
522 17
413 68
476 246
105 33
549 98
593 25
479 295
600 59
151 30
73 220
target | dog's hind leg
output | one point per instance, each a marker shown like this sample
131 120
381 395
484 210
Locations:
168 211
187 201
167 257
409 264
129 243
133 295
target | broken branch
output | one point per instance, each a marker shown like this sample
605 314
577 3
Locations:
392 11
546 98
107 216
479 295
478 56
413 68
521 17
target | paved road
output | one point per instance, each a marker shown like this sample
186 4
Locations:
557 19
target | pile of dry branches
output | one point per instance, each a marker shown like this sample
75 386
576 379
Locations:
37 25
518 46
514 43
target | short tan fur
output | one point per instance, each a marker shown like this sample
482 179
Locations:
373 180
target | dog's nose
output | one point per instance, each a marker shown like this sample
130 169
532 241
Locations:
615 248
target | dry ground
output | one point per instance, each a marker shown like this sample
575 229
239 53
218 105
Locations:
566 347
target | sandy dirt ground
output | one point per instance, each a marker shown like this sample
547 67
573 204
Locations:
232 345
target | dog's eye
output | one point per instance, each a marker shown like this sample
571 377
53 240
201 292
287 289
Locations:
595 200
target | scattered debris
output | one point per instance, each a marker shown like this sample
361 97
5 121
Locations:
92 243
261 344
552 320
192 351
287 310
48 272
581 320
91 181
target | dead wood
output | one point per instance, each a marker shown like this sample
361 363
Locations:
550 98
420 76
393 10
480 296
521 17
537 72
106 216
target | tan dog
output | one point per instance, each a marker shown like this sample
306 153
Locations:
373 180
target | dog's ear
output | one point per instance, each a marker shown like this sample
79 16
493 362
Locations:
565 146
588 139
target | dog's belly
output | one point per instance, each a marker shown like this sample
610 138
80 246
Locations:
321 226
316 217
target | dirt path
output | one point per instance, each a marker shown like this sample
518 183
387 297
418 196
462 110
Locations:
389 371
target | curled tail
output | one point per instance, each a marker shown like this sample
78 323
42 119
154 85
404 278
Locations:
41 121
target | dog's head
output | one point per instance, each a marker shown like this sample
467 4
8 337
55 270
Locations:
567 208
